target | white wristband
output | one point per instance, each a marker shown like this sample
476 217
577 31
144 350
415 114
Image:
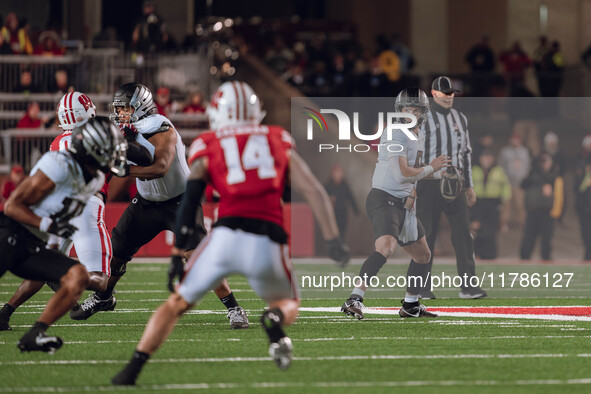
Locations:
45 223
428 170
437 174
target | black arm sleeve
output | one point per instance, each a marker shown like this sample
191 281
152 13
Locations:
139 154
185 215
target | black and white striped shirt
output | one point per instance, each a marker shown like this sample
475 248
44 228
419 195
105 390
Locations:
446 133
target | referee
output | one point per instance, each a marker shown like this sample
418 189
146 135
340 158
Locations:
446 133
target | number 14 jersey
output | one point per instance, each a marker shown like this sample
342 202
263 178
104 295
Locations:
247 166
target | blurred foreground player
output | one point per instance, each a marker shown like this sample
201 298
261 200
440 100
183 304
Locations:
160 190
248 164
391 208
92 239
59 187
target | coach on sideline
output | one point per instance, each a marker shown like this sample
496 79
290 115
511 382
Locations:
446 133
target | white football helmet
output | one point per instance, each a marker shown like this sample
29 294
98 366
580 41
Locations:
234 103
74 108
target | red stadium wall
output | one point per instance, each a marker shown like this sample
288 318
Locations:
297 216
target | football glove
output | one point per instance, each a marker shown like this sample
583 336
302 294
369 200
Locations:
129 132
61 228
451 183
338 251
176 269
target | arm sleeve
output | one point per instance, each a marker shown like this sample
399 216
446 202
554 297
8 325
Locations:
186 213
139 154
467 157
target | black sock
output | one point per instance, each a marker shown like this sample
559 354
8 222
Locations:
229 301
356 297
419 273
139 358
372 265
271 321
40 326
105 295
7 310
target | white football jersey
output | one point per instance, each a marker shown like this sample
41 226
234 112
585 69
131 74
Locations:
174 182
399 145
71 192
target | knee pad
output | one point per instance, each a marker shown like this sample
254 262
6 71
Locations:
118 267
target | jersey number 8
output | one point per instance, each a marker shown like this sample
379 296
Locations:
256 155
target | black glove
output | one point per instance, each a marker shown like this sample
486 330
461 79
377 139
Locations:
129 132
62 228
338 251
176 269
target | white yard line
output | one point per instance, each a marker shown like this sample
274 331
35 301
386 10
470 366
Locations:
322 358
272 385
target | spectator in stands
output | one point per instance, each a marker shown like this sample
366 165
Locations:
481 57
515 160
515 62
17 175
492 189
10 32
552 71
538 58
295 76
49 44
279 56
163 103
4 45
340 194
481 60
60 83
25 84
150 34
543 196
195 105
407 60
31 119
24 40
551 146
582 189
485 142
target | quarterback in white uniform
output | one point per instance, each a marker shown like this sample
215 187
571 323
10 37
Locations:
57 191
391 208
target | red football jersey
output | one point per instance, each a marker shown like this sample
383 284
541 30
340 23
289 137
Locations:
247 166
62 142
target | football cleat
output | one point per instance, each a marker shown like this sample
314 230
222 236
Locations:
35 340
282 352
4 326
414 310
354 308
127 376
473 293
238 319
92 305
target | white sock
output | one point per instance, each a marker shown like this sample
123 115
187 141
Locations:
358 292
411 298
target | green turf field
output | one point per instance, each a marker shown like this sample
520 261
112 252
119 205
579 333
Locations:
382 353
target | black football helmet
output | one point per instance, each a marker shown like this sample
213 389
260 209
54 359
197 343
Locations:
132 95
99 143
415 101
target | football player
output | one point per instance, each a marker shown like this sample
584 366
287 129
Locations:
391 208
248 164
92 240
57 191
160 188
